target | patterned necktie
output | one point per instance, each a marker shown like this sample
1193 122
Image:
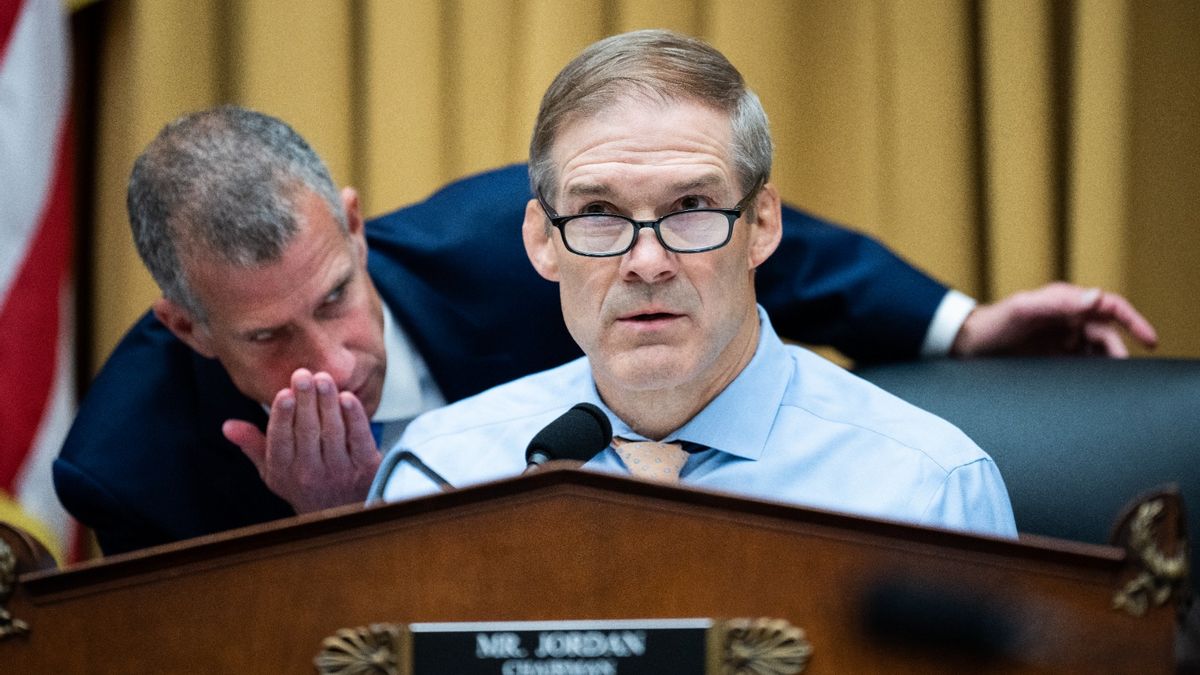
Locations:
652 460
377 433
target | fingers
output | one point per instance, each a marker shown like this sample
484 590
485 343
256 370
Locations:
1056 301
280 442
306 426
318 451
1058 318
1086 309
247 437
1113 307
1104 339
333 433
363 453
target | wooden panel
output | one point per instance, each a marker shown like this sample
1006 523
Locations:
817 67
483 108
929 136
1098 193
163 57
1164 187
575 545
1022 192
296 65
404 60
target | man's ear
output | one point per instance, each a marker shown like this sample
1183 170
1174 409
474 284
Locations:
539 241
354 221
767 230
184 326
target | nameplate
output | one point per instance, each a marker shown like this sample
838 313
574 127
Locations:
624 647
646 647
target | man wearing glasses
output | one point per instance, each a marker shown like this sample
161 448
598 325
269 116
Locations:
651 161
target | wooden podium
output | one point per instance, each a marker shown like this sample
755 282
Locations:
559 544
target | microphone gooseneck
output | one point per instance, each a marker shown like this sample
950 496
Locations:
394 459
577 434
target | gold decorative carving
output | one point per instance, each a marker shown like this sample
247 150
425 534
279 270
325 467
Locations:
1162 576
369 650
764 647
9 626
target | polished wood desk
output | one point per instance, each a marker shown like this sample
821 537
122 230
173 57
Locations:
870 596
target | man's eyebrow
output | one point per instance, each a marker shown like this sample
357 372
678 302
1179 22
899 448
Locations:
703 182
588 190
599 190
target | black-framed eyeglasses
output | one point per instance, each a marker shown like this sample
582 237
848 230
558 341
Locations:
600 235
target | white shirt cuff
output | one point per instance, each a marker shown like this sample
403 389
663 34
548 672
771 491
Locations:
948 318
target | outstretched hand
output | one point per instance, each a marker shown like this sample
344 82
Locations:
318 451
1058 318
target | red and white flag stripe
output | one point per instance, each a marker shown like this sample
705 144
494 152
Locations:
36 342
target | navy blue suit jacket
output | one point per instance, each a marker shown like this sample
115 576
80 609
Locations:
145 462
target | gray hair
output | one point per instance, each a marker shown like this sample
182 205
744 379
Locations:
661 66
223 185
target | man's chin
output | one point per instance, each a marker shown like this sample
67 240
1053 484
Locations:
649 371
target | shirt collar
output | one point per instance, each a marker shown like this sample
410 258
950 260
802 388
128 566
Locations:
401 395
739 420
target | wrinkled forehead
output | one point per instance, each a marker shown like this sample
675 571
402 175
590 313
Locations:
642 139
255 265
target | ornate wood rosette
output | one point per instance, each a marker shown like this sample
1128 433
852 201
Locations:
9 626
764 647
1161 577
369 650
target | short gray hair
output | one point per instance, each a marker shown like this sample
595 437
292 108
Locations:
222 184
659 65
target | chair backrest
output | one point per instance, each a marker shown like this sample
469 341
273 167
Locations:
1075 438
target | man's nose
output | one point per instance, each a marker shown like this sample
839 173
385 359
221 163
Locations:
648 260
328 353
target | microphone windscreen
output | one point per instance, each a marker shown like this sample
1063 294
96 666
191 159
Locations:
577 434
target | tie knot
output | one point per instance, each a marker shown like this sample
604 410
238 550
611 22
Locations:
650 459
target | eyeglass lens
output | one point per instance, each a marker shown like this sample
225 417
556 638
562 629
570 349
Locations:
685 231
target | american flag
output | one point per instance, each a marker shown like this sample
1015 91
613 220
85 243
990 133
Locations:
36 349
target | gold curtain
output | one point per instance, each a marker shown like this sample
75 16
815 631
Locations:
998 144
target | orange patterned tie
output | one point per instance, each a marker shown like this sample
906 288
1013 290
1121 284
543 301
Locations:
652 460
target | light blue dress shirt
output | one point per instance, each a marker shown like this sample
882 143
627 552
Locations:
408 387
792 427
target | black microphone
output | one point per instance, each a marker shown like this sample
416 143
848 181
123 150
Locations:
577 434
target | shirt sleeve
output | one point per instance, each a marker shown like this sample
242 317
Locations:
973 498
830 285
949 317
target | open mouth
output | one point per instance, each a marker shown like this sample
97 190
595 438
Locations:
652 321
652 316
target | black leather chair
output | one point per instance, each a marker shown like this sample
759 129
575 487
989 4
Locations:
1076 439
